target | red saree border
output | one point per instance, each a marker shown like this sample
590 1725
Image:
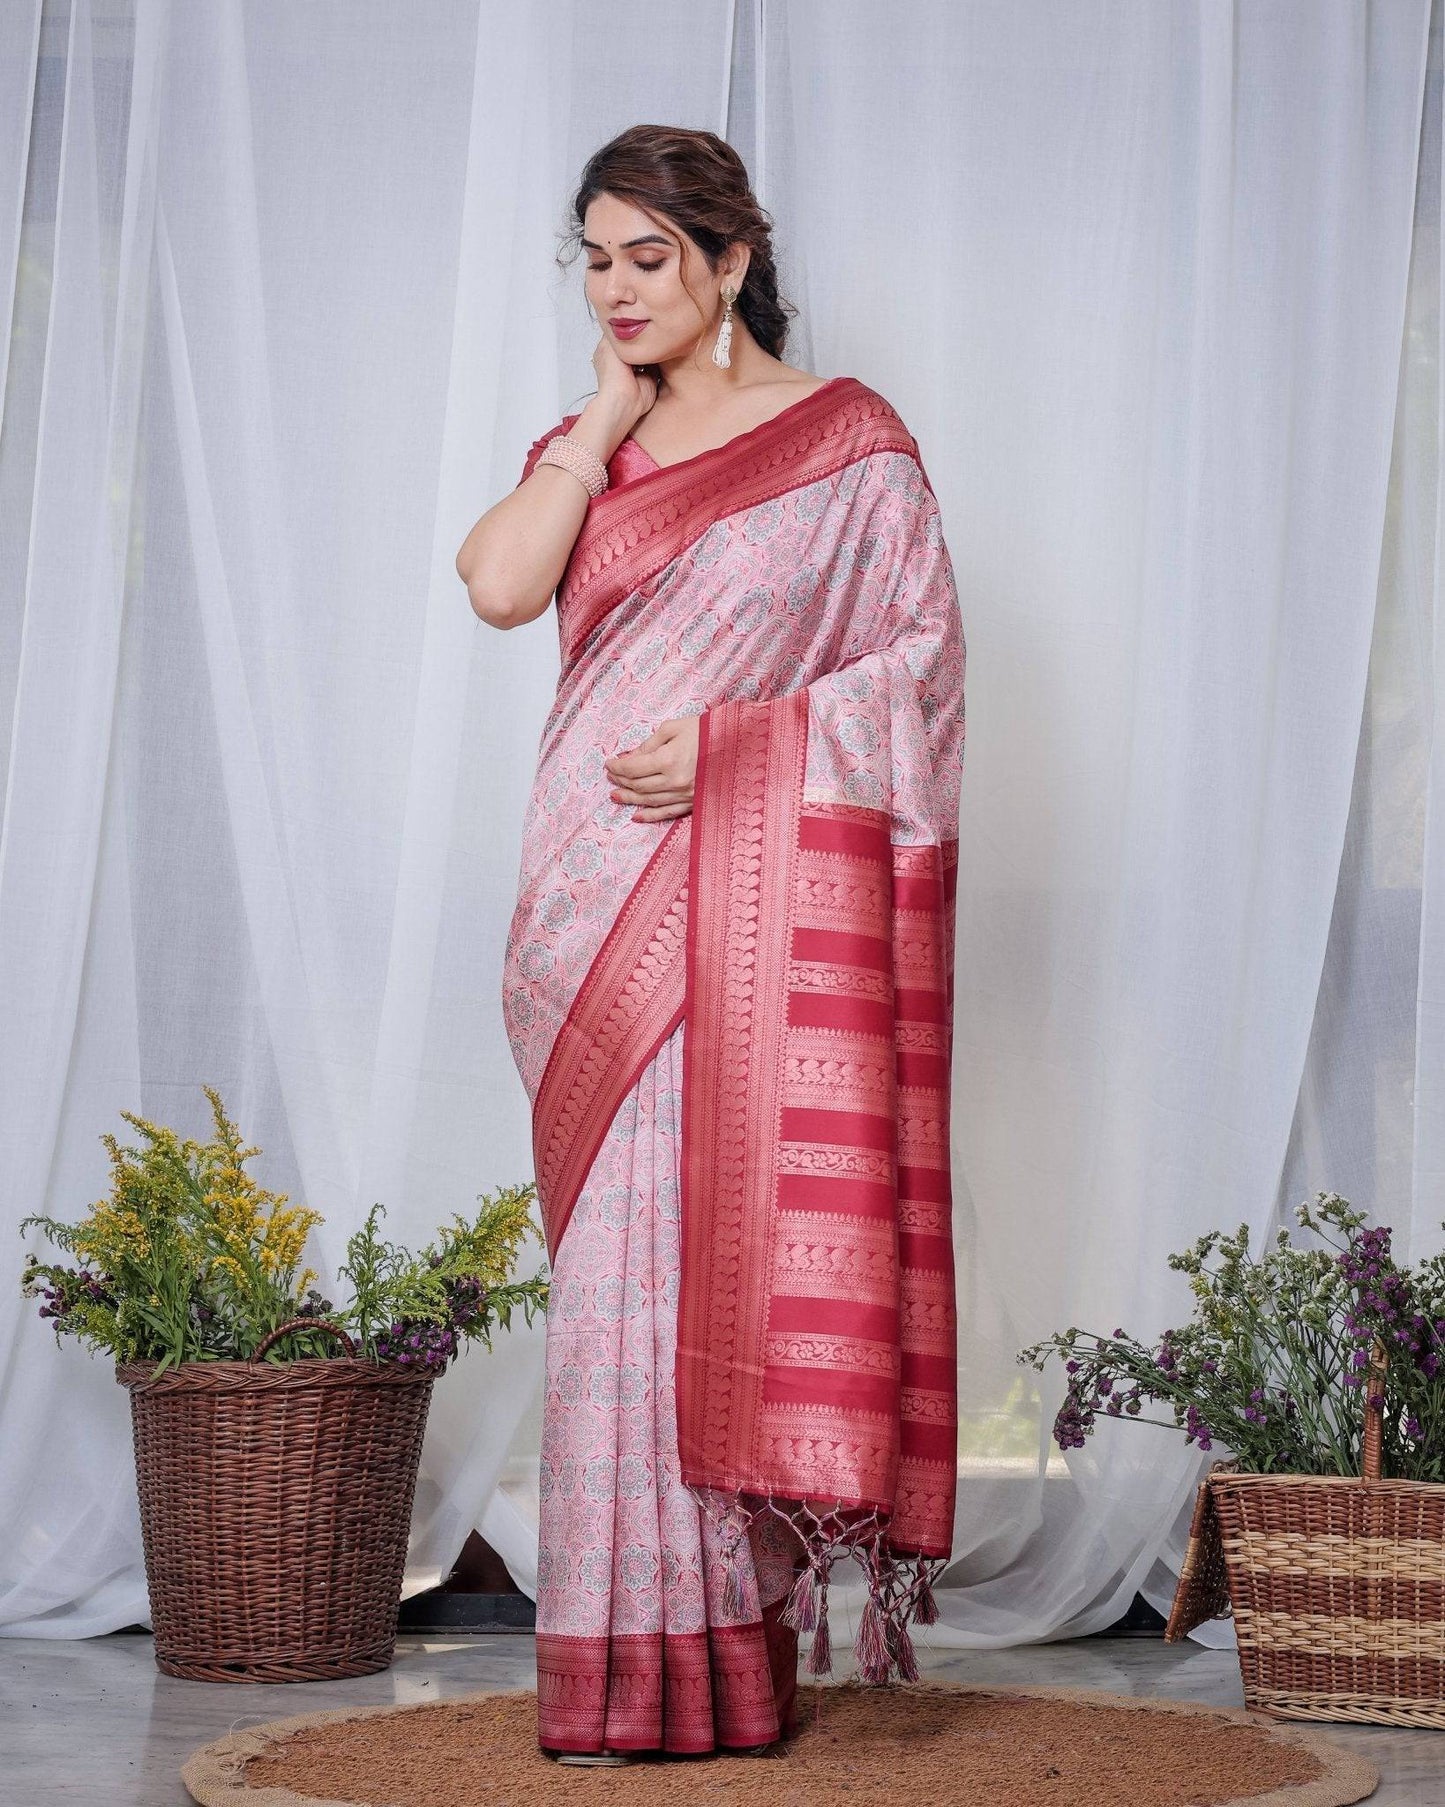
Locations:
630 533
817 1326
727 1686
630 1001
749 782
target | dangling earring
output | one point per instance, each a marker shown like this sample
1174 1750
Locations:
721 352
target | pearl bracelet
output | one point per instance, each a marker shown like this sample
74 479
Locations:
573 456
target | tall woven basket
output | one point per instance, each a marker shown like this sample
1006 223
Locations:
275 1505
1336 1586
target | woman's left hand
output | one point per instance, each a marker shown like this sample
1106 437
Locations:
656 776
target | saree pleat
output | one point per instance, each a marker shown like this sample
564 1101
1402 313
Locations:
635 1646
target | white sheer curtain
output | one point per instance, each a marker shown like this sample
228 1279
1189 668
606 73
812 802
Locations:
286 319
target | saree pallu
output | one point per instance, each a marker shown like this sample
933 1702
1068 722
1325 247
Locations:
735 1029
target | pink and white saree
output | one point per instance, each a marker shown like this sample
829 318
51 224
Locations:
735 1030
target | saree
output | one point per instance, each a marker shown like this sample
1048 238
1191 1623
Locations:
735 1028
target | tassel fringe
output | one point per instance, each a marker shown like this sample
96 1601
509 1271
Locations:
820 1656
871 1645
735 1530
900 1650
900 1587
801 1612
733 1590
925 1607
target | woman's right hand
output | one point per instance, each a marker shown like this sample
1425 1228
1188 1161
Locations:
626 390
515 556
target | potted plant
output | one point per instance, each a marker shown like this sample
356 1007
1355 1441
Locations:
277 1436
1319 1369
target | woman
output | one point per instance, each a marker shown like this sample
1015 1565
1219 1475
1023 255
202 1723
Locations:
728 984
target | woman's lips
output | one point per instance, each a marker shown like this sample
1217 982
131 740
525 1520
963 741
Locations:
628 329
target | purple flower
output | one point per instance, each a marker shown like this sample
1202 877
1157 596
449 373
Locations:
1195 1427
1074 1420
414 1344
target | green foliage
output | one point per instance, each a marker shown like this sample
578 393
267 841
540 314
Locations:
458 1283
1276 1364
189 1259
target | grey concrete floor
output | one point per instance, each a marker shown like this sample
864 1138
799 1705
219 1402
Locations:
93 1723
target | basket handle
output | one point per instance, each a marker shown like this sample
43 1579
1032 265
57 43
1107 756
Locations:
301 1324
1373 1460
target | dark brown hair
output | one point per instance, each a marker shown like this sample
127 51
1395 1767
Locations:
699 183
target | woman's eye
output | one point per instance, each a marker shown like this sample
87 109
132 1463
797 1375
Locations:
599 269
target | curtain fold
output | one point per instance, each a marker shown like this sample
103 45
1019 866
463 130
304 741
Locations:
1157 291
19 64
267 771
1369 1111
1156 320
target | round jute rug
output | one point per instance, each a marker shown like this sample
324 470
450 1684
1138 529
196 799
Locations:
873 1746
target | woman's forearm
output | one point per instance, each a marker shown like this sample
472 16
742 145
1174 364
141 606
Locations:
513 559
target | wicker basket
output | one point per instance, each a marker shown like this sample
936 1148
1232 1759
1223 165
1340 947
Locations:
275 1508
1336 1586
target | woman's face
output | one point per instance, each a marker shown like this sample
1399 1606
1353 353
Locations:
635 269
